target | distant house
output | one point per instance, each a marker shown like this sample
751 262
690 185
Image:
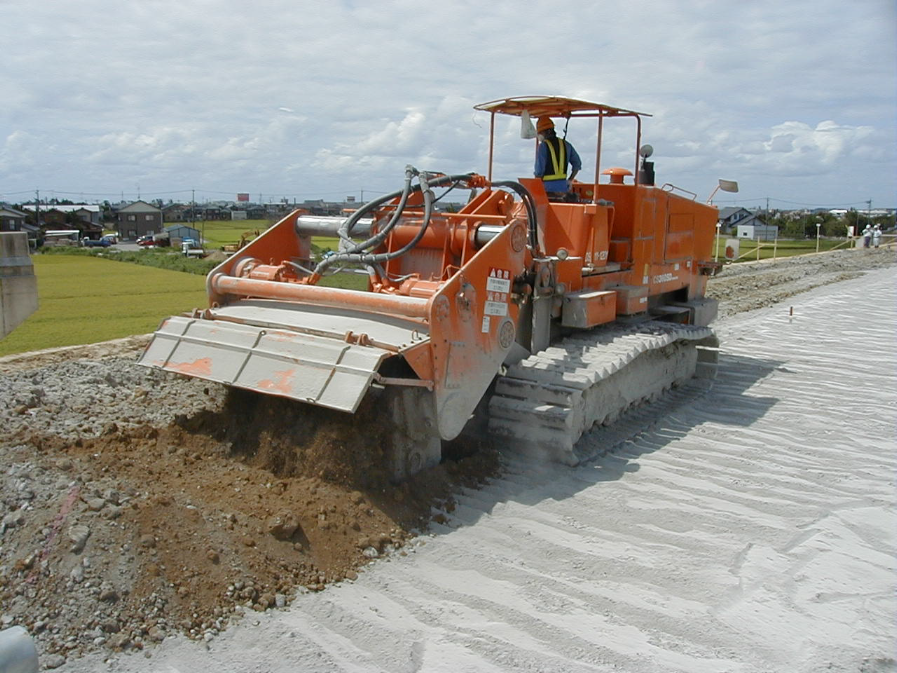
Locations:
176 212
90 230
89 214
730 216
255 213
756 229
54 213
51 216
11 219
139 219
321 207
86 218
275 211
207 212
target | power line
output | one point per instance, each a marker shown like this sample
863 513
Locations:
761 199
24 191
143 194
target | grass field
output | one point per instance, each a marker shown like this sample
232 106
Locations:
225 232
782 248
85 300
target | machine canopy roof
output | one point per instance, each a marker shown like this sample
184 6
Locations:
554 106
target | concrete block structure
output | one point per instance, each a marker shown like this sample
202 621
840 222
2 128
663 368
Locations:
18 284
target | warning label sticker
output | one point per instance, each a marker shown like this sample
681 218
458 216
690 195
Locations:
496 308
499 280
498 287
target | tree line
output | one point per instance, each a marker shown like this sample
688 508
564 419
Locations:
830 224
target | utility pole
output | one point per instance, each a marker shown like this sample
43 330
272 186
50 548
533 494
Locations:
37 207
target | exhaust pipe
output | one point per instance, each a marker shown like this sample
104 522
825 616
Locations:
17 651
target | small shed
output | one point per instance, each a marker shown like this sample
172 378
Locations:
178 232
757 230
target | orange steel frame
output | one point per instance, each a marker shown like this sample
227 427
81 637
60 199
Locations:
637 239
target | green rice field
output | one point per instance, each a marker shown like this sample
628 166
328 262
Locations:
85 300
217 233
775 249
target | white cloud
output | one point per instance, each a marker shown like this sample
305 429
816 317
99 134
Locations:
796 148
309 98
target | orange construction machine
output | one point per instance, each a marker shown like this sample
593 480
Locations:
532 318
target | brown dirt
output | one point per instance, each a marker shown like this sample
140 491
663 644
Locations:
237 506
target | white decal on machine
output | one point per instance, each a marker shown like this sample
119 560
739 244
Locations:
496 308
498 287
486 324
664 278
499 280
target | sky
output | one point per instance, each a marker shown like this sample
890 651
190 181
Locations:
167 99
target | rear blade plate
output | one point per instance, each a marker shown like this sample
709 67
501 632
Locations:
310 368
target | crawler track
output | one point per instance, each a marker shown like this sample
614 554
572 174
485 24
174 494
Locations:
546 402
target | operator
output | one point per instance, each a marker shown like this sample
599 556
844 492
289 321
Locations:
552 158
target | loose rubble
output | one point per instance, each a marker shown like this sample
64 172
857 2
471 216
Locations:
135 505
754 285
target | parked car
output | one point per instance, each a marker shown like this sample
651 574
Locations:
99 243
190 248
156 241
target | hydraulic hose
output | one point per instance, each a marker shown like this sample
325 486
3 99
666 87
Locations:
355 255
375 259
345 230
530 206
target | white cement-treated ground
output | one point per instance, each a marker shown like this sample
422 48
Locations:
752 529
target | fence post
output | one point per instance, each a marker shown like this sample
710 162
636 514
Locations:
758 248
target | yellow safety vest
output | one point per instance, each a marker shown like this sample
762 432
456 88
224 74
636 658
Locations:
557 154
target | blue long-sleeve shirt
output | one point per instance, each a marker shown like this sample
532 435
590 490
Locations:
543 164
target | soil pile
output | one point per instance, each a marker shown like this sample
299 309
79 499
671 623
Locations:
118 532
